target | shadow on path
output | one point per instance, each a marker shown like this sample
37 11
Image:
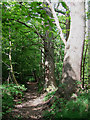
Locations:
32 106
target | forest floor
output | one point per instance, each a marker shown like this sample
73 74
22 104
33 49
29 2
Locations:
32 106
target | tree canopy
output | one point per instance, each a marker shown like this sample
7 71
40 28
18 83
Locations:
45 48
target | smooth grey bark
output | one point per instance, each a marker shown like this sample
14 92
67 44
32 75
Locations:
73 50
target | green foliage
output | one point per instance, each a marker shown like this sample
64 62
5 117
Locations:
49 95
9 92
25 45
64 5
76 109
30 79
59 53
7 103
40 87
28 23
85 64
72 109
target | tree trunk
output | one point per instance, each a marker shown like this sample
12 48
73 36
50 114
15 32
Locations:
73 50
84 66
50 82
10 59
88 51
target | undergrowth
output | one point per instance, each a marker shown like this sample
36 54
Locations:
62 109
9 93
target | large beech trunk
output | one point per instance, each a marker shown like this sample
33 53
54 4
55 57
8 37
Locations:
73 50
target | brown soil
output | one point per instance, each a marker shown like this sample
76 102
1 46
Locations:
32 107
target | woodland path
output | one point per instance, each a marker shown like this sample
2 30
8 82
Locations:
32 106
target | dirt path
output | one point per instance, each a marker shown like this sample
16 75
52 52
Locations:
32 106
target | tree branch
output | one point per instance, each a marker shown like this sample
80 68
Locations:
5 64
57 22
60 11
35 31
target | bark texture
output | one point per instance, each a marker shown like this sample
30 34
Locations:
73 50
50 82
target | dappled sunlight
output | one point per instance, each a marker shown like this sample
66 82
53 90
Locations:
45 60
33 107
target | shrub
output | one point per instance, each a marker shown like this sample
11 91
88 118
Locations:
9 92
72 109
